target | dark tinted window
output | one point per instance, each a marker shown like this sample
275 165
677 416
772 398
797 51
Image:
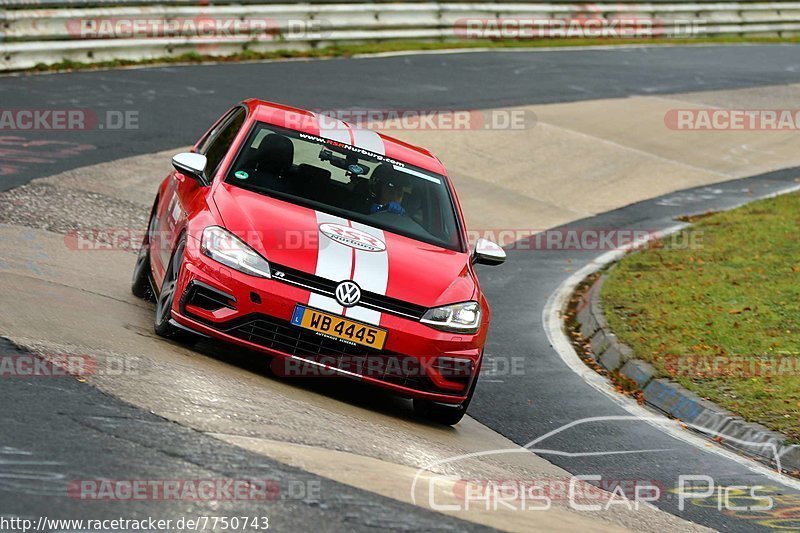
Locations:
349 182
220 142
202 145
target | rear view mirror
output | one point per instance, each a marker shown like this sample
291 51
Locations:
192 165
488 253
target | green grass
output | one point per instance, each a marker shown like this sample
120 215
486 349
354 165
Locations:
737 294
348 50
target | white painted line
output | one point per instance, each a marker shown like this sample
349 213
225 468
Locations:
554 327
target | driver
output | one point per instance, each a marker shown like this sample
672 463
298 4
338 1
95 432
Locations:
389 191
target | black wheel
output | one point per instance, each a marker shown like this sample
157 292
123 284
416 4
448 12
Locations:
166 297
448 415
141 286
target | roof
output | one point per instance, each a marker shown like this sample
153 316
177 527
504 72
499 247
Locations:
331 128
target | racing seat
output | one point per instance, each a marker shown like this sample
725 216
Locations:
310 182
359 200
269 163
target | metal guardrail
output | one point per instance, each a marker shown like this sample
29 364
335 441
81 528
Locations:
26 4
33 35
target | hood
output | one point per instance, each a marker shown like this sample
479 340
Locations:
337 249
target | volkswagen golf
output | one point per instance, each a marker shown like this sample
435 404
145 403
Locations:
336 250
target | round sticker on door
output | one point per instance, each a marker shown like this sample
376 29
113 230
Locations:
352 237
242 175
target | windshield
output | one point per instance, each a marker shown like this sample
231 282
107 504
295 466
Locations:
347 181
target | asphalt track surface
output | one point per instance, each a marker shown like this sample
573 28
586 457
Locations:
176 104
60 432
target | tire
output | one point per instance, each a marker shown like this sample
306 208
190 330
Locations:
448 415
166 298
141 286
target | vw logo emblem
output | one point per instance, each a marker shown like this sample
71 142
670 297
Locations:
348 293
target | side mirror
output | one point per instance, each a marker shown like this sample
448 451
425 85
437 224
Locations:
192 165
488 253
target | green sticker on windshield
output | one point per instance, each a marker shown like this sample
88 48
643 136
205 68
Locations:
242 175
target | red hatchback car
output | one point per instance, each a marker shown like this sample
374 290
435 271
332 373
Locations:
335 250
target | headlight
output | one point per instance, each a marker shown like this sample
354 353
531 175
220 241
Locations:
226 248
458 318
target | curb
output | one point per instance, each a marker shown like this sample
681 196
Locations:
673 399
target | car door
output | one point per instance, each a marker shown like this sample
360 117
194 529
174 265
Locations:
181 191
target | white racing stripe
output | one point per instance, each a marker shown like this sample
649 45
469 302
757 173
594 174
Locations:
334 262
368 140
337 130
371 274
372 268
334 129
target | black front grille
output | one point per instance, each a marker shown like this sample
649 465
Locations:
328 287
281 335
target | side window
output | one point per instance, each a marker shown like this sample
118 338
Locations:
219 143
209 136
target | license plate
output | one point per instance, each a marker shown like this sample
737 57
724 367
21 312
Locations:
339 327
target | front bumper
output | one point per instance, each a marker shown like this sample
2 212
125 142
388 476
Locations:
417 360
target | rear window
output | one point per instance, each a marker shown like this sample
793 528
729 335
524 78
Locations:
349 182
